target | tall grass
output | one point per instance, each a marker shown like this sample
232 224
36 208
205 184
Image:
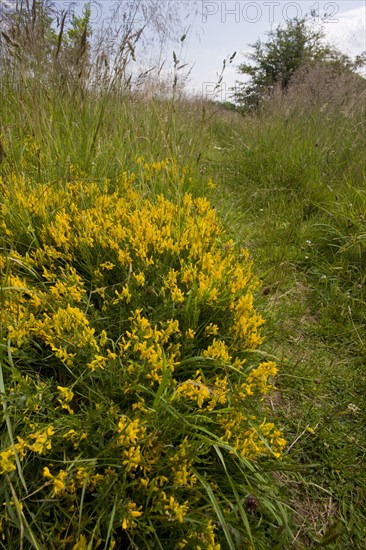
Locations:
295 192
129 335
288 183
49 133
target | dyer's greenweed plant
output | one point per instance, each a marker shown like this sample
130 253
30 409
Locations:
134 403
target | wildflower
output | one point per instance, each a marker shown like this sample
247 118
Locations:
47 473
183 477
42 441
258 377
75 437
20 447
7 461
217 350
132 458
123 296
211 330
132 513
107 265
170 283
66 396
185 280
59 484
195 390
190 333
81 544
174 510
139 278
99 362
131 431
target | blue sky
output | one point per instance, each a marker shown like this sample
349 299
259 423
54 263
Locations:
228 26
220 27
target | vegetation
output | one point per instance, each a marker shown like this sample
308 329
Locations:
274 63
146 404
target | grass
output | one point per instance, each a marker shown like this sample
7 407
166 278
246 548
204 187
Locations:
298 185
290 185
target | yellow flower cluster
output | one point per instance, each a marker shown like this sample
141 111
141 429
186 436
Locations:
181 464
7 461
173 509
42 440
132 512
257 380
151 346
218 350
39 442
68 482
133 320
65 330
251 442
66 396
201 540
131 438
198 391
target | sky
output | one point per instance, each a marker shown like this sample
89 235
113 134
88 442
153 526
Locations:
228 26
218 28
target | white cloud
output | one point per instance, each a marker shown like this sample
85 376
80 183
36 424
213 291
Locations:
348 34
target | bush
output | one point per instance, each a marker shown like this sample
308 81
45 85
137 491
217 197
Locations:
132 399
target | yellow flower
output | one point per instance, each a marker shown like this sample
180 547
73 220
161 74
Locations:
20 447
131 431
170 284
7 461
107 265
81 544
132 513
218 350
175 510
42 441
195 390
258 377
211 330
140 278
47 473
132 458
123 296
58 481
66 396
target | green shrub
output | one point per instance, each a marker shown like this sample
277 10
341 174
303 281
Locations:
132 397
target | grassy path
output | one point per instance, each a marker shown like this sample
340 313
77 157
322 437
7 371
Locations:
303 220
290 185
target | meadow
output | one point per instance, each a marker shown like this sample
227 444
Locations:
183 322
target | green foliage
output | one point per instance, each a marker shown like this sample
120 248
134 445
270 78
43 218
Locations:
41 44
288 183
297 177
28 39
274 62
129 379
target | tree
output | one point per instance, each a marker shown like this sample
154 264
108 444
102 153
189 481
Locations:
274 62
34 47
49 43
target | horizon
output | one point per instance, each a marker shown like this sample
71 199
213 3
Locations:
216 29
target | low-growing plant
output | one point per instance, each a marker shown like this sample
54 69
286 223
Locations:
133 399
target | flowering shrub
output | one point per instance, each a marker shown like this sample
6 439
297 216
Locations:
129 386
